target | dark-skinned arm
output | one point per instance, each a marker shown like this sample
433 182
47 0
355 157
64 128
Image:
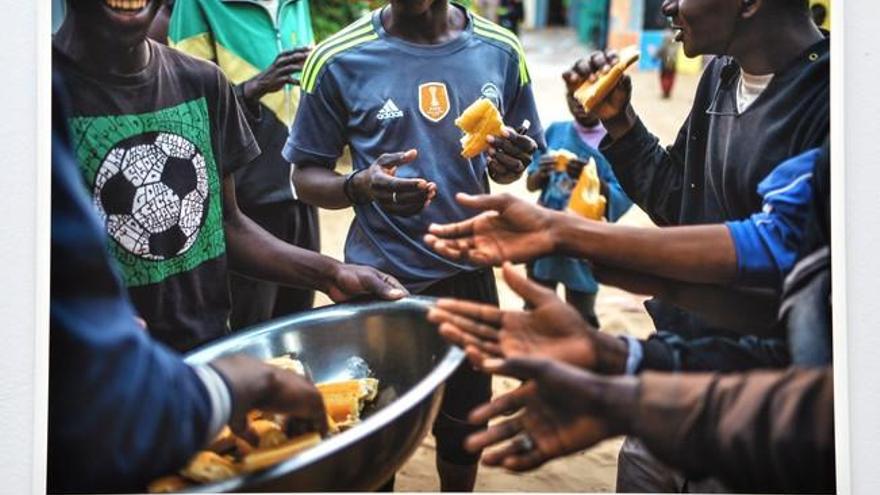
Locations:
699 253
516 230
257 253
650 174
320 186
763 431
749 311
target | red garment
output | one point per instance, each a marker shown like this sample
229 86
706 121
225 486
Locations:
667 79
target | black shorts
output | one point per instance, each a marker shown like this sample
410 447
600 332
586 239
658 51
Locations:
466 388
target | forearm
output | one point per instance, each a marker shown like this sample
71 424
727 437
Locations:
750 311
761 431
256 253
319 186
703 254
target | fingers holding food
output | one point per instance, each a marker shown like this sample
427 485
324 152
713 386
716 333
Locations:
600 84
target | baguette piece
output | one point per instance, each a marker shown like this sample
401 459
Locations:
364 389
263 458
209 467
586 199
168 484
344 400
266 433
288 363
590 94
478 121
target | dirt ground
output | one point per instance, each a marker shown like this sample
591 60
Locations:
549 53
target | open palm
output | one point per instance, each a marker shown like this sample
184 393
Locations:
559 410
553 329
509 229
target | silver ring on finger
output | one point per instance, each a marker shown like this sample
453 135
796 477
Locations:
394 197
524 442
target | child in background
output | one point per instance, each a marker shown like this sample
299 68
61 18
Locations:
667 55
581 137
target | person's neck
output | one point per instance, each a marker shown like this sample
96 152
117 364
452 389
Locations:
775 44
438 25
95 56
587 124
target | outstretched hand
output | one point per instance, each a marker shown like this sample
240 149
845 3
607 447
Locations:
351 281
562 410
553 329
509 229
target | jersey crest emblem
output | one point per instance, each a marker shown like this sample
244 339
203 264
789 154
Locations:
433 101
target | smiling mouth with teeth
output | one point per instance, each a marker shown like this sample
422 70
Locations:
126 5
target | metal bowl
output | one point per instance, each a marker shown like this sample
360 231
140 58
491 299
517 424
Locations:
402 349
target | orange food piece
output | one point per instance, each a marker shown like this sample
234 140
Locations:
590 94
478 121
586 199
345 399
209 467
363 388
267 433
168 484
342 408
562 157
263 458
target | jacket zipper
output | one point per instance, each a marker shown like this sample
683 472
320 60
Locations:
279 47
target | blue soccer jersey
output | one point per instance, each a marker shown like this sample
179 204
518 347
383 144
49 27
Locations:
380 94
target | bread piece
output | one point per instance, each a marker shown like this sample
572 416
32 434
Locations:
342 408
344 400
590 94
586 197
478 121
265 433
223 442
263 458
209 467
332 426
364 389
168 484
288 363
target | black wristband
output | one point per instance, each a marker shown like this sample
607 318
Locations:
346 187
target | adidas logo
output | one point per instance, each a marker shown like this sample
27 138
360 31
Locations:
389 111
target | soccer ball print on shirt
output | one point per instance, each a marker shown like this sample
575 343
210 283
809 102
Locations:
152 192
155 184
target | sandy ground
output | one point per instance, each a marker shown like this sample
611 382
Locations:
549 53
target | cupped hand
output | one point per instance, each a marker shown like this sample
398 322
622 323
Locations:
562 410
509 229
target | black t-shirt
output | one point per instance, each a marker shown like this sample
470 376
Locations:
154 148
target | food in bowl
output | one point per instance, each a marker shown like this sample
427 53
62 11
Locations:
265 443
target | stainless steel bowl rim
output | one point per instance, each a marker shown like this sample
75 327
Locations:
380 419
